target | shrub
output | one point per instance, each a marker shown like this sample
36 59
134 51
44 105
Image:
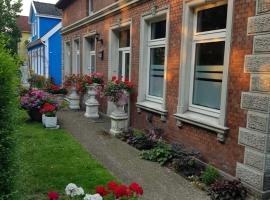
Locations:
185 162
9 72
210 175
227 190
162 153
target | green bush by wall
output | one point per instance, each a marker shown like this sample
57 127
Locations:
8 112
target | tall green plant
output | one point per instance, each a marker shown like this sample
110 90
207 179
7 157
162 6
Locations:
8 110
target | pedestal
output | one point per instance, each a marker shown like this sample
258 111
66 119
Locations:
119 121
74 99
92 104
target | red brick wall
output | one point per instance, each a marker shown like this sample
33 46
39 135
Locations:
223 156
78 9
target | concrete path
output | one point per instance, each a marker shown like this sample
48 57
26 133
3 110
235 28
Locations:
123 161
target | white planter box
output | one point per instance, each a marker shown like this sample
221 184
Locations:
49 122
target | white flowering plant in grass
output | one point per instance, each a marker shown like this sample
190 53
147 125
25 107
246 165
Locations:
73 190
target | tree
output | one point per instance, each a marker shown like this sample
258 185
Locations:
8 14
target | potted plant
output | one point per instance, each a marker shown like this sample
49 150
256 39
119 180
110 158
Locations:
32 102
56 90
49 118
71 84
117 92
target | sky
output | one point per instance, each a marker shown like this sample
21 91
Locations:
26 5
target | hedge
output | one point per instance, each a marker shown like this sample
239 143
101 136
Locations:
8 111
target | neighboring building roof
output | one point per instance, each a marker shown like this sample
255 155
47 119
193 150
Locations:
22 23
62 3
47 9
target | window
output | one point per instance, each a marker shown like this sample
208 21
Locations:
124 54
90 8
207 64
206 34
76 57
156 56
92 54
67 58
89 54
153 63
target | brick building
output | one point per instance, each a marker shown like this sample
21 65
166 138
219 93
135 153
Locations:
190 61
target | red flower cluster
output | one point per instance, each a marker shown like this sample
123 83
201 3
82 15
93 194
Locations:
51 86
53 195
47 108
126 82
134 190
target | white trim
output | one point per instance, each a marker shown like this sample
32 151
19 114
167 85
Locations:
115 7
49 16
186 44
52 32
145 57
86 51
38 27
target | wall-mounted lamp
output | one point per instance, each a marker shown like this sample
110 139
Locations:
98 39
101 54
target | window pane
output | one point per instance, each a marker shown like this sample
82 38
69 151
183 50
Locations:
212 19
124 38
158 30
93 67
127 65
92 44
208 74
156 79
120 65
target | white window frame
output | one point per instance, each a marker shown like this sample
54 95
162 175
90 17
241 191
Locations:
144 100
76 54
67 58
87 53
204 117
124 50
90 7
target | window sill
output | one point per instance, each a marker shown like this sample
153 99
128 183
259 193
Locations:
152 107
203 121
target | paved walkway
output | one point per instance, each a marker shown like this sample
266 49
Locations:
122 160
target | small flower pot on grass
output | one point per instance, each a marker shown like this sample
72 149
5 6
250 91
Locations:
49 118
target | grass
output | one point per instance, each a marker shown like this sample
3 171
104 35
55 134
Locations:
48 160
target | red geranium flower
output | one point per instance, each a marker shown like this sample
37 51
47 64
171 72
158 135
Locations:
53 195
135 187
102 191
120 191
117 81
114 78
112 185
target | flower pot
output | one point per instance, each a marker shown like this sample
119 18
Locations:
35 115
119 120
74 99
92 103
50 122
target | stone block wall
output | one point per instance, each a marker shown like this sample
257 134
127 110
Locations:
255 171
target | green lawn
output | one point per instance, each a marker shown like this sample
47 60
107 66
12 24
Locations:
48 160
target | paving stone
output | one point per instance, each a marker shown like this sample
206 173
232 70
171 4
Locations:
258 24
257 63
255 101
253 139
262 43
263 6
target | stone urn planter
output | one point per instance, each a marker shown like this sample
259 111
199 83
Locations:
119 120
49 122
35 115
74 99
91 103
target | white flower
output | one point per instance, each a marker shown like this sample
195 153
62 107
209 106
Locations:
73 190
70 188
93 197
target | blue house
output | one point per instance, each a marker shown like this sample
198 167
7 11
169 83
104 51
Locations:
45 48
